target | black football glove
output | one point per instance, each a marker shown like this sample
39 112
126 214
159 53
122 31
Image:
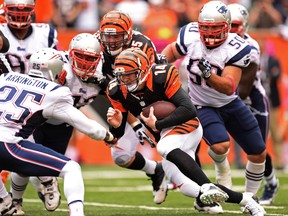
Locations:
205 68
140 131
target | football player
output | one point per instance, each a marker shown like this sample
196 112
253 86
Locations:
139 84
25 37
116 34
19 117
83 60
214 61
253 93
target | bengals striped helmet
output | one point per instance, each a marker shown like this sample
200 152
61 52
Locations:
131 68
115 32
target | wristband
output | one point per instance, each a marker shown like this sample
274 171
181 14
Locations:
137 127
134 124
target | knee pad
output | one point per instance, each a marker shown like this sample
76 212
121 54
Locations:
121 159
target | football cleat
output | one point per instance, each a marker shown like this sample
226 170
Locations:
213 208
269 194
159 184
50 194
210 193
250 205
18 205
6 206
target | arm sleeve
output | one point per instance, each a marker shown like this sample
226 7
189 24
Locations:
119 132
185 111
65 112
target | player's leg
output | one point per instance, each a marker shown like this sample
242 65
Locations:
216 136
260 109
243 127
189 143
57 138
125 155
42 161
6 204
207 195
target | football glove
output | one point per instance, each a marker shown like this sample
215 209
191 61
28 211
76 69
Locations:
205 68
94 80
140 131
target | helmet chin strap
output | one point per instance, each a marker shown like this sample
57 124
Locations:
141 81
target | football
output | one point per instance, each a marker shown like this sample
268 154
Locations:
162 109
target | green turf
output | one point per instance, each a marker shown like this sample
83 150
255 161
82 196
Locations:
112 191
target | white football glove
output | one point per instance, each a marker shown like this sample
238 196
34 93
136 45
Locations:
140 131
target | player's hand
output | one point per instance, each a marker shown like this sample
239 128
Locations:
114 117
140 131
150 121
205 68
110 140
97 78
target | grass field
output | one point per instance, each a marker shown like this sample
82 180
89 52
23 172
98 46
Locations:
112 191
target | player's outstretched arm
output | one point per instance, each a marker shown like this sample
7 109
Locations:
65 112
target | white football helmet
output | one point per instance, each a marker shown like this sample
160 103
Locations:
214 23
239 19
19 13
85 54
46 63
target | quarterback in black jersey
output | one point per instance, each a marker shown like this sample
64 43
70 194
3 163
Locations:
116 35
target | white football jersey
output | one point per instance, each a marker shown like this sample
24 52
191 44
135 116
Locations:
82 92
255 58
234 51
27 102
42 36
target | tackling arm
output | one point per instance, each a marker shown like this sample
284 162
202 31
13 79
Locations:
65 112
171 52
